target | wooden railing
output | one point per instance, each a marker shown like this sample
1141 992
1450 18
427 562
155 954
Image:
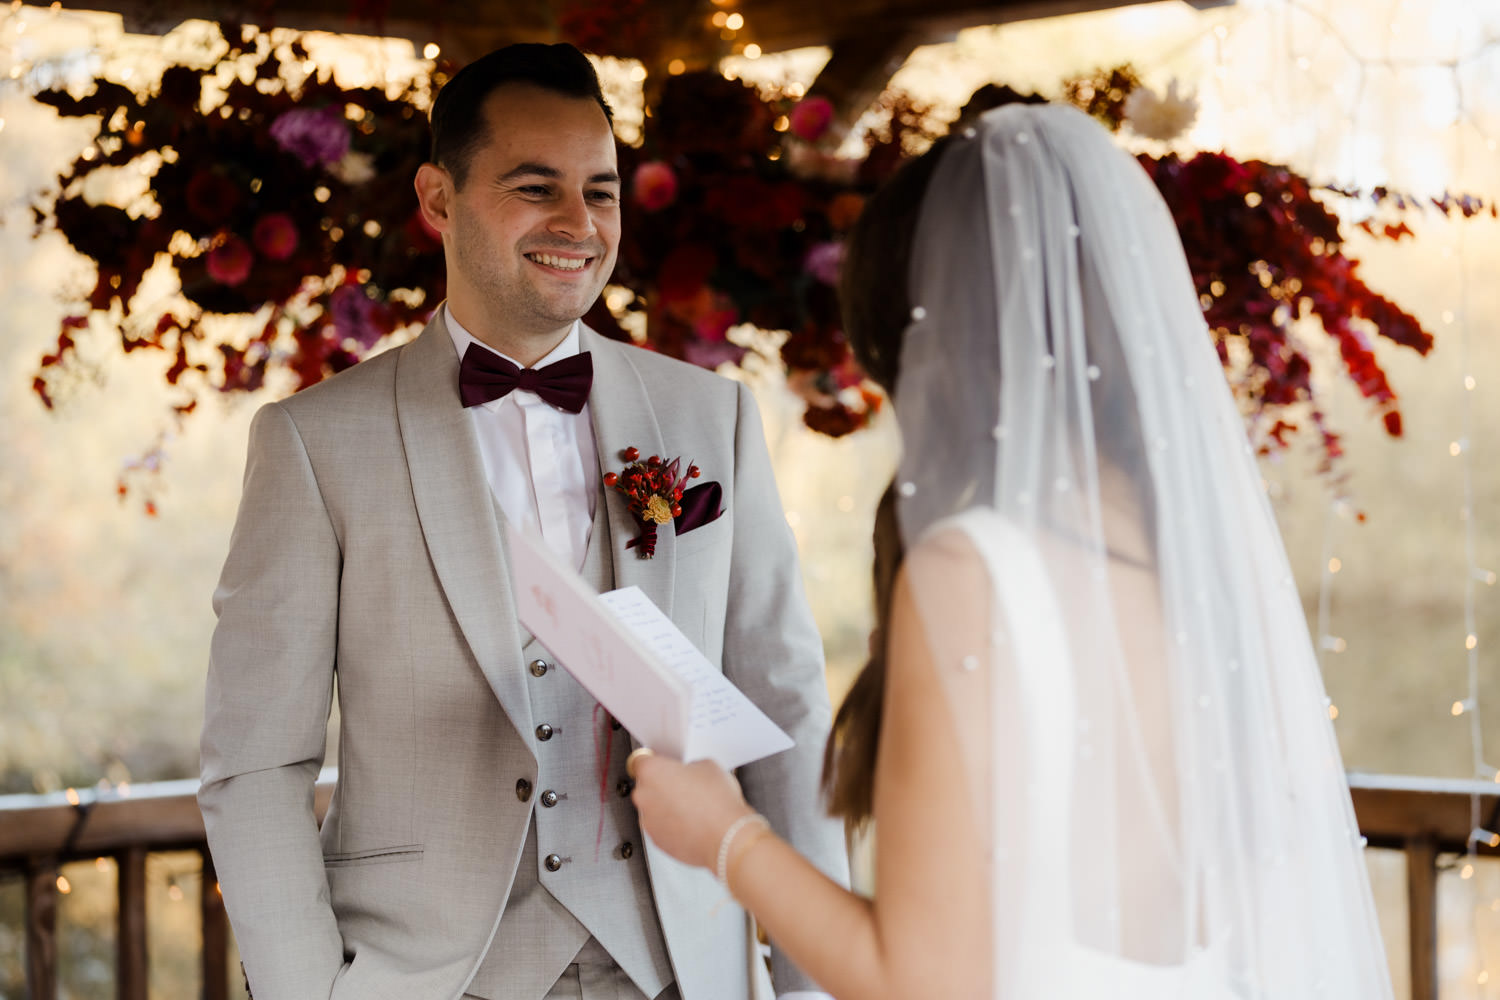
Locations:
41 833
1423 817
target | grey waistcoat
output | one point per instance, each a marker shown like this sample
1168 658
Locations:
601 887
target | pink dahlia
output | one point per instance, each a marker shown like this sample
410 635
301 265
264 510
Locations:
654 186
811 118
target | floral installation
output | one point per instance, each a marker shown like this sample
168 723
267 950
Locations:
653 490
1266 254
737 213
289 200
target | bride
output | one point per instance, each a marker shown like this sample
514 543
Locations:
1095 743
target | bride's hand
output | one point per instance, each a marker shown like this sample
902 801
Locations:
685 808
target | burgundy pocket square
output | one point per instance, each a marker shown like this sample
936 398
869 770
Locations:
700 505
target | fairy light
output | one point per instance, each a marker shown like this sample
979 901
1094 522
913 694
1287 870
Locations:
1474 575
1332 564
1454 319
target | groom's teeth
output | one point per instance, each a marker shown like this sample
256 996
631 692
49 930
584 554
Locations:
562 263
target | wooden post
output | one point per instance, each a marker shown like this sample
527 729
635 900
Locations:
859 68
215 934
130 941
1421 902
41 929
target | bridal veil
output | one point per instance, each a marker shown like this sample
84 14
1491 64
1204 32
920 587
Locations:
1154 765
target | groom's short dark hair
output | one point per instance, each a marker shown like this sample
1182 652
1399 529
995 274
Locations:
458 125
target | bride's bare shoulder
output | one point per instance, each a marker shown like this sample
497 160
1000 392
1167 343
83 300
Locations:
947 555
943 594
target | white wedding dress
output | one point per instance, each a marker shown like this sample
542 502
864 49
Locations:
1030 791
1141 715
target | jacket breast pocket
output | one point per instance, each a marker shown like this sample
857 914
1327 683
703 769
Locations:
704 538
377 856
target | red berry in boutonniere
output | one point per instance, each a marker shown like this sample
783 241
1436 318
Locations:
652 489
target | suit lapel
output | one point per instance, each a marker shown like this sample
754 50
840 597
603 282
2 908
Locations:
457 512
624 417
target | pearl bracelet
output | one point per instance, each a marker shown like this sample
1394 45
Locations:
721 870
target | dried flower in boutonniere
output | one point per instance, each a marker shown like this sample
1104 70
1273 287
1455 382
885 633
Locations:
653 489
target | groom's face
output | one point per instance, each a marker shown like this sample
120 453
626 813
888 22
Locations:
536 223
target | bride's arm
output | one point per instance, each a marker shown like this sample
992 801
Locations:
927 932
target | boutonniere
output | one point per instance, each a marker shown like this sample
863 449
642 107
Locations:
653 489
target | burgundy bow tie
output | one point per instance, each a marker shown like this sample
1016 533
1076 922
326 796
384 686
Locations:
485 376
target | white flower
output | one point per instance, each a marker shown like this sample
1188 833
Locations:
355 168
1161 118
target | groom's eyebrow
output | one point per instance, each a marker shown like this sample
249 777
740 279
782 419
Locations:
530 169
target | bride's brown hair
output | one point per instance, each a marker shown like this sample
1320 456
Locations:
873 291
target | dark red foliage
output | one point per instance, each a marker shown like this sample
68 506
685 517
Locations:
748 231
1264 252
309 232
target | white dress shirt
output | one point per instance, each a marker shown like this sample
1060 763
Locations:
541 461
542 465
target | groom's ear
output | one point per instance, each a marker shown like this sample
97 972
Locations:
435 195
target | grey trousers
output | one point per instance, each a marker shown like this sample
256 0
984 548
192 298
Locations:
595 976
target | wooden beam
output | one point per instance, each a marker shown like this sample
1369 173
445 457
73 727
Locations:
130 923
788 24
1421 905
41 929
1392 810
860 68
466 28
160 816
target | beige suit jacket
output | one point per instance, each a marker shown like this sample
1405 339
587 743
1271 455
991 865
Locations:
367 549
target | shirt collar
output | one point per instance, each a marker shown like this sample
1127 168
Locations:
463 338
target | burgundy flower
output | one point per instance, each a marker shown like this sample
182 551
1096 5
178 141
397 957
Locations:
421 234
275 236
229 263
684 272
317 138
713 323
654 186
212 197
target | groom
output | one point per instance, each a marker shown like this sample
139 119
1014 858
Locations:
480 841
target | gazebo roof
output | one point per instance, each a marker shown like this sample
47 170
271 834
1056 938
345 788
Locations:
869 38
